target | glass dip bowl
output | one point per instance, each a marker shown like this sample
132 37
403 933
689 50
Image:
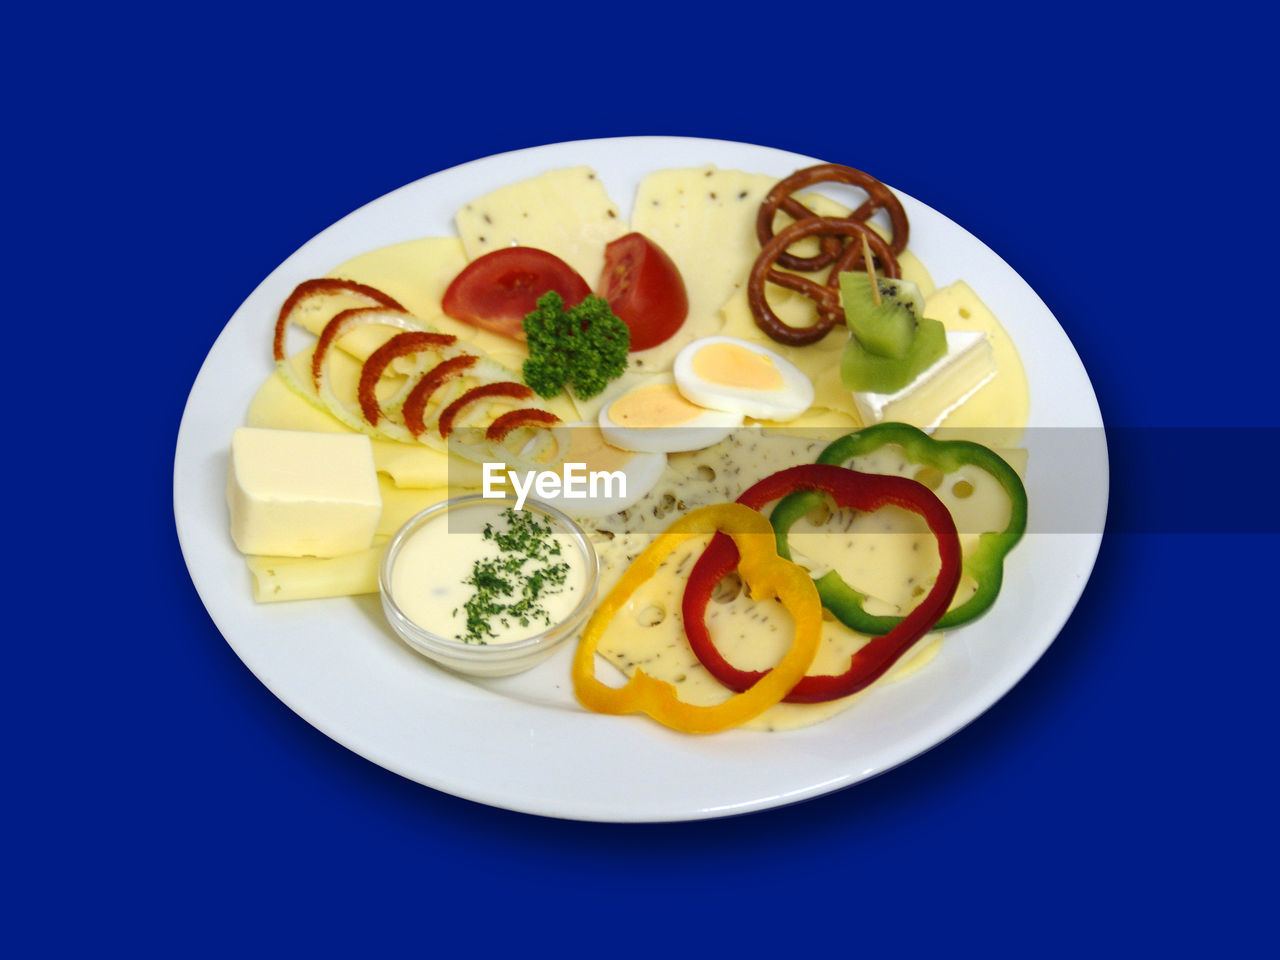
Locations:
425 564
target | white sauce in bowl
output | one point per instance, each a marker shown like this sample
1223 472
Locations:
460 583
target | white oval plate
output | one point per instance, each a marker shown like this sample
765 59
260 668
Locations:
523 743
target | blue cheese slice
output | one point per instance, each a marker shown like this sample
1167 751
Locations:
566 212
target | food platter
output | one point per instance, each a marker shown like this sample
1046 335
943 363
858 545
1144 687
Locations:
523 743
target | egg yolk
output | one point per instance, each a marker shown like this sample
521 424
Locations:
588 445
730 365
658 405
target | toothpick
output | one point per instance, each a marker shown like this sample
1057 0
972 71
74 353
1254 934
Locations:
870 267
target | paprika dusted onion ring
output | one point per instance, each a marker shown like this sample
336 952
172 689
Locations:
879 197
415 404
347 320
826 296
513 419
401 345
308 290
402 416
321 389
505 389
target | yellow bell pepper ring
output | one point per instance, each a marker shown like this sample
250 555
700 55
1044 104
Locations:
765 575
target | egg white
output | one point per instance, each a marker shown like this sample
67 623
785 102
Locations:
707 429
640 474
787 402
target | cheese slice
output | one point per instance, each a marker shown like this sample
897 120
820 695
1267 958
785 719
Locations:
277 579
566 212
704 219
890 555
648 631
997 413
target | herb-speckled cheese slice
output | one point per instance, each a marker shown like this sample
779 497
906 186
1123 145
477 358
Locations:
566 212
888 555
648 631
704 218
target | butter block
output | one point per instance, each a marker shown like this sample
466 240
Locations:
968 364
295 493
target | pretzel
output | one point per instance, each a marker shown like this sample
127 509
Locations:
879 197
825 295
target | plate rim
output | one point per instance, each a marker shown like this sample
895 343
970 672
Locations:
990 692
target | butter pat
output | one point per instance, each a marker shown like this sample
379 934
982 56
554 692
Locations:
968 364
294 493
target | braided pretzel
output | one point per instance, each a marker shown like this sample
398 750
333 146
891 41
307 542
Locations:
825 295
879 197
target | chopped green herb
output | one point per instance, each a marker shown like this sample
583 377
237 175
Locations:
510 588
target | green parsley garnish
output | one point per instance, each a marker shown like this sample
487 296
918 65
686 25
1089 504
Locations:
584 346
510 588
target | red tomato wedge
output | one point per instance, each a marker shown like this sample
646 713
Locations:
644 288
496 291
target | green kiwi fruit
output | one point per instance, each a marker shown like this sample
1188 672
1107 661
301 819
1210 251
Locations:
887 328
860 369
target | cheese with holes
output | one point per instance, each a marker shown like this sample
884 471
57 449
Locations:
997 412
302 494
648 632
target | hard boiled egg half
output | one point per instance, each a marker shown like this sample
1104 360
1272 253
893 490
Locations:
655 417
737 376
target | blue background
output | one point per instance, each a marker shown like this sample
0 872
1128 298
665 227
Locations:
1118 799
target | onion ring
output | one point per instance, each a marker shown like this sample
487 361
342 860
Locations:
401 345
324 287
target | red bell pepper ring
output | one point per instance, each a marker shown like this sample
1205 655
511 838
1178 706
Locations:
848 488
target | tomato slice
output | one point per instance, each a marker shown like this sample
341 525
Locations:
644 288
496 291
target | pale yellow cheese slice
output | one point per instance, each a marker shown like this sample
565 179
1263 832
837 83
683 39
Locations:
890 555
704 218
566 212
996 415
277 579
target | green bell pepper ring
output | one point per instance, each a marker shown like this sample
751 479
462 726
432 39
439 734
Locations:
985 564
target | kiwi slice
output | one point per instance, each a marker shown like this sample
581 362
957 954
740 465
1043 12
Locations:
860 369
885 329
